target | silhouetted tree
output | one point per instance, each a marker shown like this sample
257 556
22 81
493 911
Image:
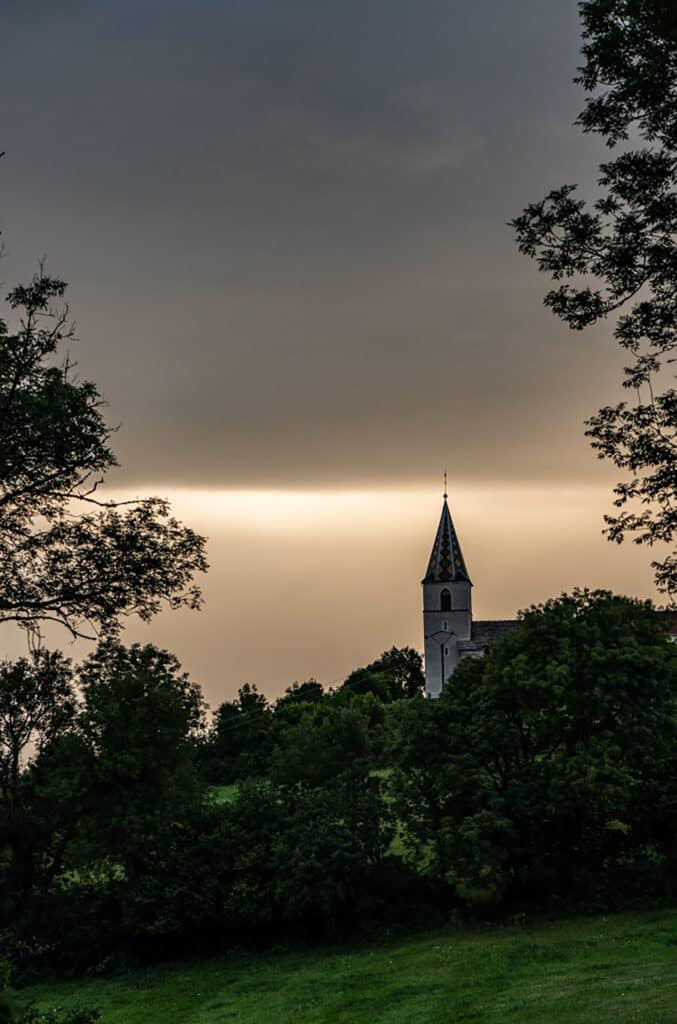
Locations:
310 692
620 254
404 666
37 701
240 740
105 808
395 674
139 717
59 563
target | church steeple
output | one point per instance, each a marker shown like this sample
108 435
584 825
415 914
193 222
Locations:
447 605
446 564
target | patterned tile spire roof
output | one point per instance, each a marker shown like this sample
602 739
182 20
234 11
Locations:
446 558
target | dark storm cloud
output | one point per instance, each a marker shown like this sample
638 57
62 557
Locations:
284 224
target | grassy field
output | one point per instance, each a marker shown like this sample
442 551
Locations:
614 970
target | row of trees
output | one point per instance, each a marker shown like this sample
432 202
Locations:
543 777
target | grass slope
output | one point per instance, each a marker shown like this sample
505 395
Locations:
612 970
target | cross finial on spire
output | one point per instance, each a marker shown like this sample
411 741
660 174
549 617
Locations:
445 485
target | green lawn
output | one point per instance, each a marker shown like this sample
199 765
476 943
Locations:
601 970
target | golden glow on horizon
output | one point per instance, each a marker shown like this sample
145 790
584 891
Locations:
317 582
497 509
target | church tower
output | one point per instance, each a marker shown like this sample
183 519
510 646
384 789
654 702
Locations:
447 610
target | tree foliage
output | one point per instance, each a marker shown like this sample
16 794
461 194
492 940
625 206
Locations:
617 256
395 674
250 737
104 803
240 740
328 742
547 769
66 556
543 776
139 717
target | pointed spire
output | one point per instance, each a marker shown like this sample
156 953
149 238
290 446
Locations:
446 558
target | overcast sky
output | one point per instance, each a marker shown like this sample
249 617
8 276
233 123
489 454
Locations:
284 228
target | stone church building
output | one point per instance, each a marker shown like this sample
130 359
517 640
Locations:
448 626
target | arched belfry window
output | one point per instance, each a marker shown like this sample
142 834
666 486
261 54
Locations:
445 601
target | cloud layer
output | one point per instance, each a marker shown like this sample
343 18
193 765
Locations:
285 228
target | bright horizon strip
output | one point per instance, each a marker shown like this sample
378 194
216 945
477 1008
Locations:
365 510
313 582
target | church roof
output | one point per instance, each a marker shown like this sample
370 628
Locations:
446 559
486 632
